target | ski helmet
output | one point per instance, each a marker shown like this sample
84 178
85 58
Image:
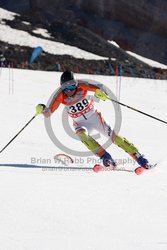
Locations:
67 79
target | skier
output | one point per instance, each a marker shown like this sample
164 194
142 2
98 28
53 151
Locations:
74 95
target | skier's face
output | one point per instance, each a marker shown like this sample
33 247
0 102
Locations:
70 93
70 90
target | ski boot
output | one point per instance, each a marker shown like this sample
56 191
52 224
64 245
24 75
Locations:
143 162
107 160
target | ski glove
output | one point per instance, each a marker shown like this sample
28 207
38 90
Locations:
101 95
40 108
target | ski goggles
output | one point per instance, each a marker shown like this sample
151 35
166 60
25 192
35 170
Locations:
70 88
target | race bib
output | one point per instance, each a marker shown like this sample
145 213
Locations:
80 108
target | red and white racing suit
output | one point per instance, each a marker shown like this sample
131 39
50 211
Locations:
81 109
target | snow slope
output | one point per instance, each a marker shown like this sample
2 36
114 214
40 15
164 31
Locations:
76 209
148 61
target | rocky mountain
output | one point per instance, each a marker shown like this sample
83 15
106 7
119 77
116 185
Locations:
89 25
139 26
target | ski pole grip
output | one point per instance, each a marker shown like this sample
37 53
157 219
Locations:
101 95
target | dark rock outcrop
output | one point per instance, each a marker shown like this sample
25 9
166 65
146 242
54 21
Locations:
139 26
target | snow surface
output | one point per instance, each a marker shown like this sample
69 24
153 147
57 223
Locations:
26 23
42 32
148 61
7 15
114 43
76 209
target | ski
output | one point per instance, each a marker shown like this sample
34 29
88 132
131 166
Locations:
99 168
141 170
138 171
96 168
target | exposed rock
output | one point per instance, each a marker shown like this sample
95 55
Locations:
139 26
136 25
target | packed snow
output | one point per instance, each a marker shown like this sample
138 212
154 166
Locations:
26 23
80 209
7 15
114 43
147 61
42 32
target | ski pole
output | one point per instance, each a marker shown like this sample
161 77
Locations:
18 133
105 97
139 111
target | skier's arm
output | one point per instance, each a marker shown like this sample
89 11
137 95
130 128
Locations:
56 101
47 111
99 90
88 86
42 109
